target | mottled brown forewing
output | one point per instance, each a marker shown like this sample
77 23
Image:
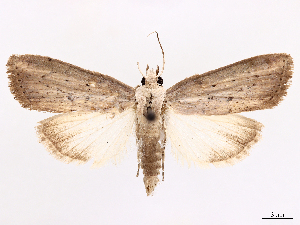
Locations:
256 83
46 84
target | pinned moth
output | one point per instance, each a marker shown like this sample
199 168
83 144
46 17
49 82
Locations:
198 115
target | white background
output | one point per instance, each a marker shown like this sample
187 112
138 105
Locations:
110 37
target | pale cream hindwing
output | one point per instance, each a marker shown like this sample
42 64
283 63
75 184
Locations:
256 83
79 136
221 140
45 84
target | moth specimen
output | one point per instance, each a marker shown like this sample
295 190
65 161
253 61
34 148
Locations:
198 115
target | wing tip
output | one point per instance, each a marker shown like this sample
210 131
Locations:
15 81
280 92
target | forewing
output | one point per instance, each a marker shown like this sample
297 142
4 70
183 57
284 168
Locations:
79 136
221 140
252 84
45 84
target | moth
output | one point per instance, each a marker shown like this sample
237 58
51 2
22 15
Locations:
198 115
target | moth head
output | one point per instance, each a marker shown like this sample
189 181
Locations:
152 77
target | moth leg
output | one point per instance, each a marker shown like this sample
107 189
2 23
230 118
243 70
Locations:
138 171
163 164
139 163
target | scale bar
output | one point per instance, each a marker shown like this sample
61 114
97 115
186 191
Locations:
278 218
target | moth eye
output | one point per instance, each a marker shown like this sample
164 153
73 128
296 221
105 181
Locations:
160 81
143 81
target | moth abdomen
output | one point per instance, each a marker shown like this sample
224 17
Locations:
151 160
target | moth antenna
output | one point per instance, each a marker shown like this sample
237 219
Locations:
138 64
163 67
